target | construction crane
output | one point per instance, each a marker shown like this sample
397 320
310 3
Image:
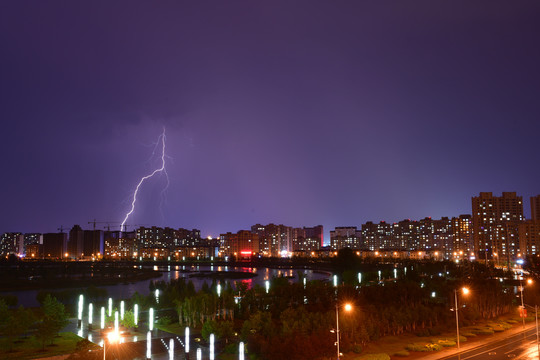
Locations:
102 222
61 228
133 225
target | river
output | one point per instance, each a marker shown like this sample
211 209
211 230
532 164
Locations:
27 298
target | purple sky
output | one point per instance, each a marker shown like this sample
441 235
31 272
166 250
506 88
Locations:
294 112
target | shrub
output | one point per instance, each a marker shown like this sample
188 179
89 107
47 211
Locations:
165 320
482 331
467 334
446 342
423 347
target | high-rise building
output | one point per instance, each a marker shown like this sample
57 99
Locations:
55 245
12 243
345 237
462 228
404 236
529 237
314 238
120 245
157 237
93 243
491 215
535 207
76 242
243 243
377 236
274 240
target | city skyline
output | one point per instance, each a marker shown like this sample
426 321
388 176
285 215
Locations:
320 114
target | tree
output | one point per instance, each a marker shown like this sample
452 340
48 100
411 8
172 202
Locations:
226 330
54 319
18 323
209 327
129 320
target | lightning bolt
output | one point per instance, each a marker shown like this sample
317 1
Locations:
161 170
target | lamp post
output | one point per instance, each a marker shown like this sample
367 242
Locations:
529 281
465 292
347 307
114 337
537 333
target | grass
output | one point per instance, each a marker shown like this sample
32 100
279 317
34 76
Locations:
30 348
174 328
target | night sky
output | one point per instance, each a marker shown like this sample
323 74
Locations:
293 112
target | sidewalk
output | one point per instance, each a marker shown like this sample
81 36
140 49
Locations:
469 346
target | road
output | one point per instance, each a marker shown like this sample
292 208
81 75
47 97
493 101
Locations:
516 346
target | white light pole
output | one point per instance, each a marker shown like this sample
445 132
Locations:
187 340
110 306
211 346
171 349
103 317
148 345
151 319
90 313
136 314
122 310
241 351
80 309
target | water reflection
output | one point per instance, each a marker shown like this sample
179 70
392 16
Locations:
27 298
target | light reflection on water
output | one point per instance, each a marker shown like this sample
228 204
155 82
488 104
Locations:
27 298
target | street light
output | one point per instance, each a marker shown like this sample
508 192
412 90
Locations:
529 281
465 292
347 307
114 337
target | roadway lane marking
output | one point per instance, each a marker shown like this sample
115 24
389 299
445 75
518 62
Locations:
490 350
487 351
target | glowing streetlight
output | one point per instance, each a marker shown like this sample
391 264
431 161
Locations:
171 349
335 281
529 282
218 290
136 314
211 346
110 306
187 340
347 307
267 285
122 310
359 278
116 321
113 337
465 292
151 319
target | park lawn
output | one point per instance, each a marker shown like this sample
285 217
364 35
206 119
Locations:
174 328
30 348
